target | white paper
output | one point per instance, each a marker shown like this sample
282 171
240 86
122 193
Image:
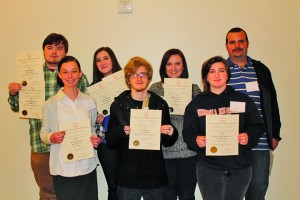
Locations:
222 135
77 144
252 86
145 129
178 94
104 92
31 77
237 107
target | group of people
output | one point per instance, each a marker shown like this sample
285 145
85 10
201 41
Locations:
174 170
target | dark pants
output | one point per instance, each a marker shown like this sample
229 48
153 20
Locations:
136 194
108 160
182 178
222 185
260 175
40 168
76 188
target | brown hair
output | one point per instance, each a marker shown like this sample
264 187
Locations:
132 66
206 67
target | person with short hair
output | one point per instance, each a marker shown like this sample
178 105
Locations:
140 173
55 47
253 78
221 177
74 179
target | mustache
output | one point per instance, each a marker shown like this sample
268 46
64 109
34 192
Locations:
238 49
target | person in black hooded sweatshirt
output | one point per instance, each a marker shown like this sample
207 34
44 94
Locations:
221 177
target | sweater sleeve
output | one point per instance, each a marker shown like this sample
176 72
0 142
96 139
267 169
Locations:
116 125
276 123
14 102
45 132
168 140
191 127
265 80
195 90
254 125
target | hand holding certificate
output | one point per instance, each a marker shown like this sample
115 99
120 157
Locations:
76 144
222 135
145 129
31 77
178 93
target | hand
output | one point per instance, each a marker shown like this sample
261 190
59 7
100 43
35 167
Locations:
57 137
243 138
14 88
100 119
275 143
95 140
201 141
167 129
127 130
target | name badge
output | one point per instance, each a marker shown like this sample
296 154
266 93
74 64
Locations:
237 107
252 86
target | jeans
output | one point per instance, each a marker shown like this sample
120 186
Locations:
223 185
108 160
40 168
260 175
136 194
182 178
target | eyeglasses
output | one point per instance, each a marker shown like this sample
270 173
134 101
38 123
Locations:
141 75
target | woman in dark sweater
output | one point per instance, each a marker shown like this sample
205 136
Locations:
223 177
180 162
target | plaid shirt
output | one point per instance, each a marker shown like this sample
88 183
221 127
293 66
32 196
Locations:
51 88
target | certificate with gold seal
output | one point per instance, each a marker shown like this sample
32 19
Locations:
106 90
222 135
31 77
178 93
77 144
145 129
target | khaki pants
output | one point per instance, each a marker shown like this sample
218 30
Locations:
40 168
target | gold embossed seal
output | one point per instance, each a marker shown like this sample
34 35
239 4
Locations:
24 83
24 112
136 143
70 156
213 149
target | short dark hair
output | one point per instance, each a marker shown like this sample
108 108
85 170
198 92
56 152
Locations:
236 30
206 67
97 75
165 59
65 60
56 39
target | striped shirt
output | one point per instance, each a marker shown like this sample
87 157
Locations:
245 80
51 88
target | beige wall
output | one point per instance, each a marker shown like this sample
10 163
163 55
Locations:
197 27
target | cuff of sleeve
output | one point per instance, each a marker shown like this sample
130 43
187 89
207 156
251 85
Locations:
49 141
